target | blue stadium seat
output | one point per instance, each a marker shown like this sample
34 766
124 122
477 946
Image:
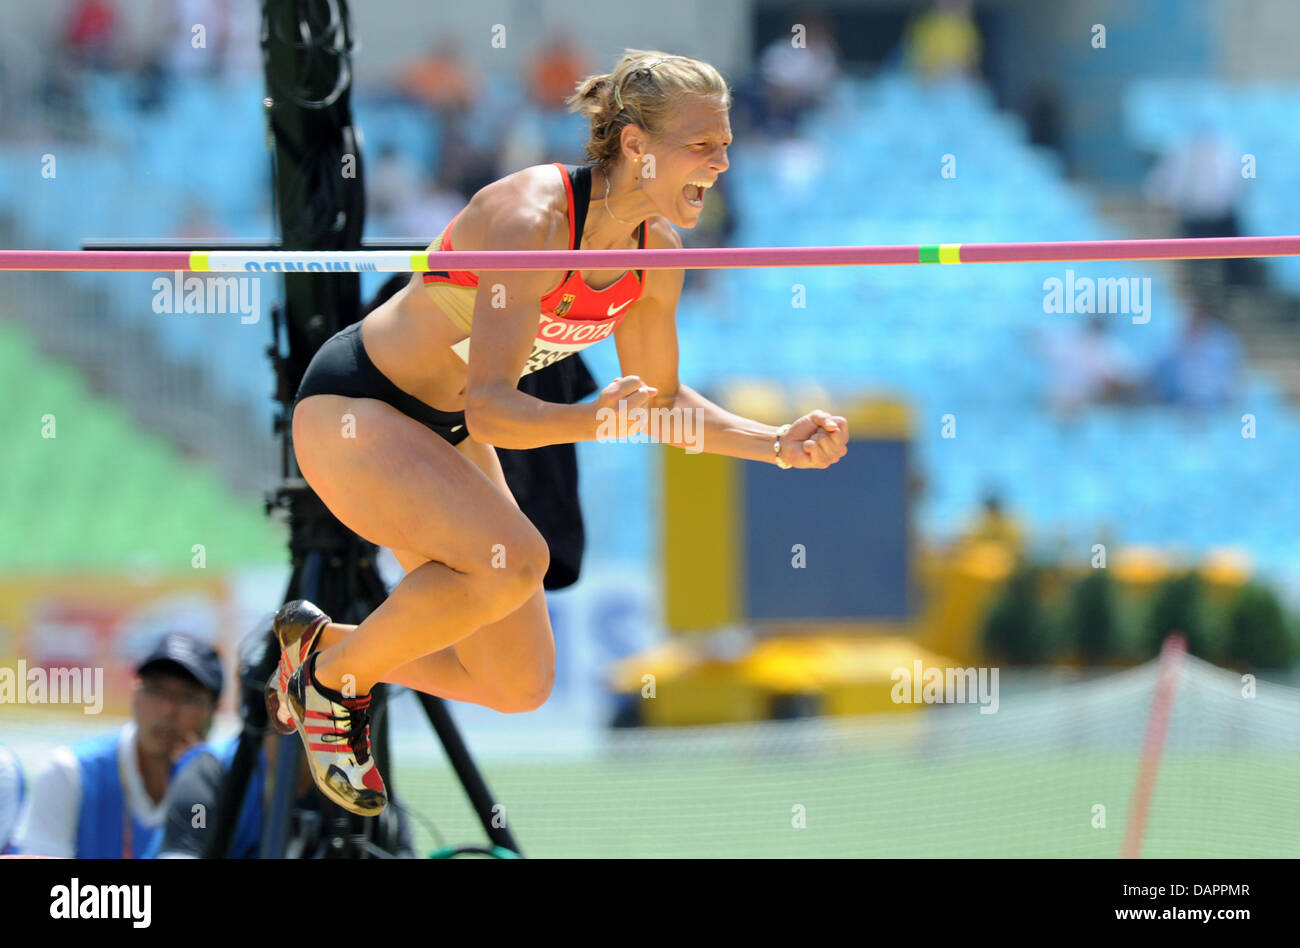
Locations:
949 339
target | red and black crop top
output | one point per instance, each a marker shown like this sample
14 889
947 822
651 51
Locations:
573 315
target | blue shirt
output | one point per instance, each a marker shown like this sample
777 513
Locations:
184 836
105 827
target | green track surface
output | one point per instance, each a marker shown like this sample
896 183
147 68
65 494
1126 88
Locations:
886 805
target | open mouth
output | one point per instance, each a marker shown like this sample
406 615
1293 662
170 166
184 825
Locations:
693 192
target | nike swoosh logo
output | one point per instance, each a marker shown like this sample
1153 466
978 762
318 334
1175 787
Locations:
457 428
614 309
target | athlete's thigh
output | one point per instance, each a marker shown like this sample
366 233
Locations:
523 639
394 482
484 457
525 635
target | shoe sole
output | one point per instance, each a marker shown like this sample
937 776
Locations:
330 791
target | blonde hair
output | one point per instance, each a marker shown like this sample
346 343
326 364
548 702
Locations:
644 89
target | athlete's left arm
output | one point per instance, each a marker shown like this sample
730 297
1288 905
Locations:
679 415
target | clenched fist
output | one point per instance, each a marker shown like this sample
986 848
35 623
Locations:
816 440
635 396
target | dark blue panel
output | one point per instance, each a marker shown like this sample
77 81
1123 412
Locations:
852 522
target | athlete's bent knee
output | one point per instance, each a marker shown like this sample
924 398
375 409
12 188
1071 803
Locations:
528 693
535 565
523 568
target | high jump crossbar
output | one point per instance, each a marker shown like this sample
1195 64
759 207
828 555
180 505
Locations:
395 261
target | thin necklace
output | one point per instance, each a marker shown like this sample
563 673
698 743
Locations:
608 211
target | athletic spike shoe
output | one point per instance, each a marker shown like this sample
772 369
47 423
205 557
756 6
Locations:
297 626
336 733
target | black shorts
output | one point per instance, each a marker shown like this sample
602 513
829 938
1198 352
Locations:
341 367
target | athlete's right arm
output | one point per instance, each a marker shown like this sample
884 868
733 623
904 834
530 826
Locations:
507 309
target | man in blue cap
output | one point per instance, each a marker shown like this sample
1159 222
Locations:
101 798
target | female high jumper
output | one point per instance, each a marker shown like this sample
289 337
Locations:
397 415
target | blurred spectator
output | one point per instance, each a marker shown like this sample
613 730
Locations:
197 222
463 166
995 525
404 204
441 80
61 97
1204 367
90 33
170 50
943 43
428 211
523 143
8 108
1200 179
241 39
177 54
101 798
392 179
232 31
196 781
1044 118
795 79
1086 366
554 70
12 791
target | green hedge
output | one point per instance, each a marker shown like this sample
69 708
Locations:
1095 621
1178 605
1015 630
1256 633
1092 619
